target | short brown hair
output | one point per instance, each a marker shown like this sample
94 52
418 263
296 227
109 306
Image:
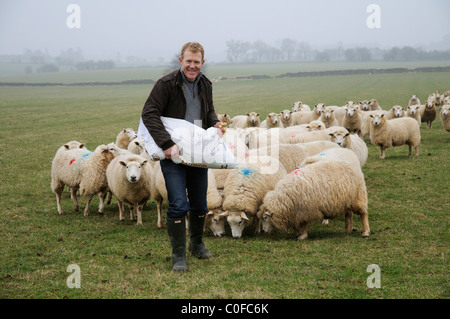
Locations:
193 47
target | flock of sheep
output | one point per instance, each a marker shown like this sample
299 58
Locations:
295 167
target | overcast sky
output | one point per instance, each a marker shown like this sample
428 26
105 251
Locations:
156 29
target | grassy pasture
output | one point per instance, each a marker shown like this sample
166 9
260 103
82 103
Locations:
408 205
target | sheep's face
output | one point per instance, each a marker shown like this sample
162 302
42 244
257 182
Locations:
328 113
339 138
215 221
315 126
114 149
273 118
137 146
445 110
297 106
237 222
74 145
286 115
377 119
429 105
398 111
133 170
253 117
364 105
266 223
373 104
318 108
350 111
130 133
413 109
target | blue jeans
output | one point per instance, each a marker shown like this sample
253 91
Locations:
180 178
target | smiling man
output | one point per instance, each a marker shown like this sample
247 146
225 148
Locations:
183 94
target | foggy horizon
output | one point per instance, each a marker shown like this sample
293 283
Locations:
156 30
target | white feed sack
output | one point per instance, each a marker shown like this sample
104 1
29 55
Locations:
198 147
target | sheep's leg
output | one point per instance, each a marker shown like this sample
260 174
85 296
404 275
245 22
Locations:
410 149
73 195
417 150
120 204
302 232
86 209
365 223
325 222
58 201
349 221
132 212
382 153
139 209
158 208
109 198
101 204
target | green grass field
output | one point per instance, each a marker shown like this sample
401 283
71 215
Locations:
408 204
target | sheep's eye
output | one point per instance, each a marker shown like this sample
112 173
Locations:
240 223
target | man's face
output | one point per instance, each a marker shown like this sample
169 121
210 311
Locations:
191 64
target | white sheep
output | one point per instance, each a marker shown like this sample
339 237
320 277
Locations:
242 121
299 106
366 120
316 147
272 120
395 112
445 116
214 220
388 133
337 189
286 118
337 154
413 112
305 137
374 106
224 118
80 169
124 138
245 188
414 100
364 105
128 178
304 117
328 118
343 138
353 120
289 155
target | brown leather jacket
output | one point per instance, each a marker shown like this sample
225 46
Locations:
167 99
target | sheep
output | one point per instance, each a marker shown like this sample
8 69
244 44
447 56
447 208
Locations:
366 120
80 169
124 138
305 137
235 140
428 112
214 221
72 145
289 155
328 118
299 106
339 112
340 154
364 105
304 117
286 118
128 178
374 106
388 133
414 100
224 118
323 190
316 147
93 176
245 189
352 120
242 121
413 112
273 120
395 112
343 138
445 117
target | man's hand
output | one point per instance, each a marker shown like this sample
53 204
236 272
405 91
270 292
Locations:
222 128
172 152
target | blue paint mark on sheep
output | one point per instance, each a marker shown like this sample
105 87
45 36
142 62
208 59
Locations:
322 154
86 155
246 171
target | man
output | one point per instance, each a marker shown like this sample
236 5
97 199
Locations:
183 94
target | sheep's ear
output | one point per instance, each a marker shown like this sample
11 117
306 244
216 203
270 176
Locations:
307 126
331 134
105 150
66 146
347 134
122 163
223 214
81 145
143 163
257 114
248 114
243 216
382 115
371 115
210 213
